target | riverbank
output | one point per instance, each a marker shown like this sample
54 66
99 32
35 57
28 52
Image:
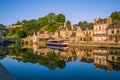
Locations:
99 45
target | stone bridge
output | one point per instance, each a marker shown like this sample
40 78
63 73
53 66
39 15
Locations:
3 40
3 30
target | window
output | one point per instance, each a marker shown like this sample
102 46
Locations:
117 31
112 31
89 32
84 33
99 27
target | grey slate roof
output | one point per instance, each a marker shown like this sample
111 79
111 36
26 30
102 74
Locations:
115 24
87 27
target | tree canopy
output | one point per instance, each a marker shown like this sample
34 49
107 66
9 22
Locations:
85 23
50 23
68 23
115 15
2 26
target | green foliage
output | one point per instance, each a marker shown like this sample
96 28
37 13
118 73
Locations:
60 18
25 42
51 60
2 26
22 34
18 23
68 23
51 17
50 22
84 23
115 15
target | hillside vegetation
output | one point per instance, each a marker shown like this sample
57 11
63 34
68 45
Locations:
50 23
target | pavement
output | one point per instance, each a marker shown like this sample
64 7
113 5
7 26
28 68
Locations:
5 74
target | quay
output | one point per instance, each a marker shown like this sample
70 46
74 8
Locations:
5 74
103 45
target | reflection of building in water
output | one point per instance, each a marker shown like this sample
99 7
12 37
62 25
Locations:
66 55
114 59
100 59
84 54
71 55
107 59
40 36
114 56
38 50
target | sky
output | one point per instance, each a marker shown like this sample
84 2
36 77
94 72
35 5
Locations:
12 11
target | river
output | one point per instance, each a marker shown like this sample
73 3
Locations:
76 63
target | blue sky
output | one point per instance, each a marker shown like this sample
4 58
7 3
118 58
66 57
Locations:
75 10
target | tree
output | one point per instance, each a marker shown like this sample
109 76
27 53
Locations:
18 23
84 23
22 34
60 18
50 23
51 17
68 23
42 21
80 23
115 15
2 26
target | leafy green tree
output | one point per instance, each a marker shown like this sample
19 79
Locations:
42 21
50 22
60 18
68 23
22 34
115 15
84 23
51 17
2 26
18 23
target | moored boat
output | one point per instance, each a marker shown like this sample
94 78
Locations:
58 44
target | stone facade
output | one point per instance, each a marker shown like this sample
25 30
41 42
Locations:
100 28
40 36
101 31
114 31
74 33
87 33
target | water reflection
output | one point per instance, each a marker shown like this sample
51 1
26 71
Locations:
107 59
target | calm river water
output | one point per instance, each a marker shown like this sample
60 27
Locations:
76 63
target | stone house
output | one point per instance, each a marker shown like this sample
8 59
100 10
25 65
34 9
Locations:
114 31
67 32
40 36
87 33
74 33
100 28
101 31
